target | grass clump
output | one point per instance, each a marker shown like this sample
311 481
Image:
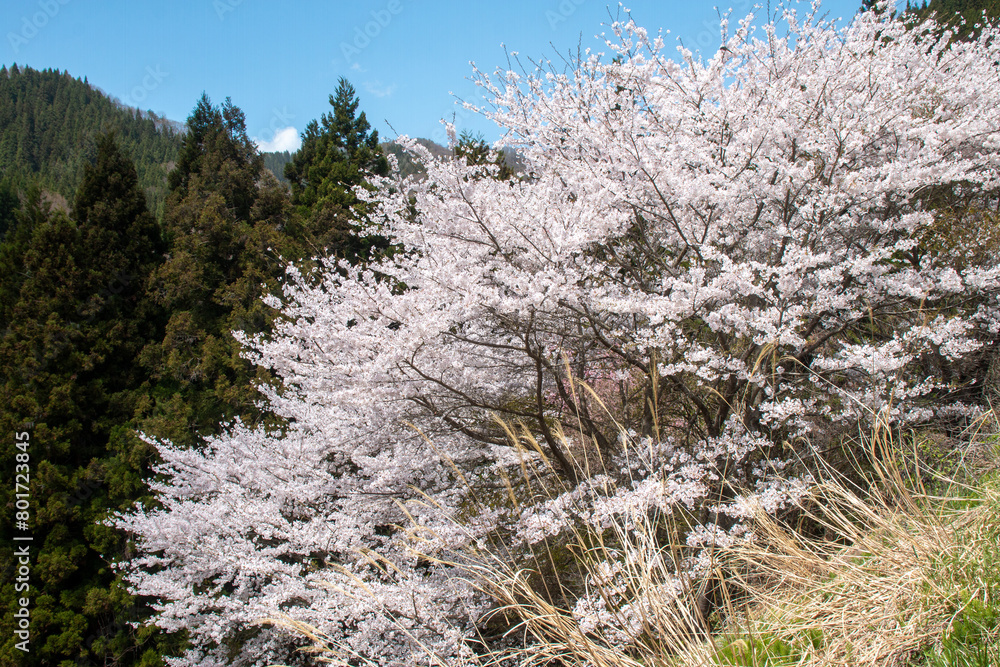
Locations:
768 649
902 576
971 641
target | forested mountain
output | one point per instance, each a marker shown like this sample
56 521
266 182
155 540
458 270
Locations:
407 165
49 123
275 162
970 10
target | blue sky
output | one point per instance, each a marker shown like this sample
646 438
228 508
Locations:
279 62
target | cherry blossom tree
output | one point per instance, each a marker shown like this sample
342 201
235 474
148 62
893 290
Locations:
742 257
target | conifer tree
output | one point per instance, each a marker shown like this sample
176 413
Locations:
9 205
338 153
223 220
19 221
73 330
475 151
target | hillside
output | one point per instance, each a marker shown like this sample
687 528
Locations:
275 162
48 124
958 15
407 165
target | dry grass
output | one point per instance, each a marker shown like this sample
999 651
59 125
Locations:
898 568
642 596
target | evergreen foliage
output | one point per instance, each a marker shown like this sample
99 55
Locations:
76 318
9 204
227 222
338 153
275 162
960 16
475 151
49 123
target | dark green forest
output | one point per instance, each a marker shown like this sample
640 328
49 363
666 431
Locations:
130 249
49 123
49 128
960 16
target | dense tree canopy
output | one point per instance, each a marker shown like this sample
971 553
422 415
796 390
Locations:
960 16
338 154
76 317
49 124
224 226
112 328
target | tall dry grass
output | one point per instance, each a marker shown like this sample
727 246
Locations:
894 563
899 563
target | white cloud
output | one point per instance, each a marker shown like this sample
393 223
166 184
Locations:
358 68
378 90
285 139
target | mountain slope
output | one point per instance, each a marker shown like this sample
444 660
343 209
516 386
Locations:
48 125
